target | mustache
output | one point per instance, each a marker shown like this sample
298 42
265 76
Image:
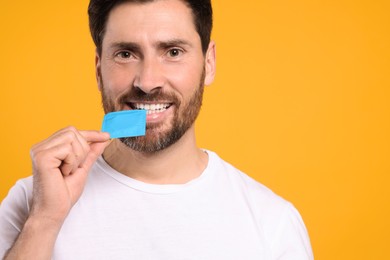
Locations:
156 95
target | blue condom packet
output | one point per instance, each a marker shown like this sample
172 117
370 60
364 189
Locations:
126 123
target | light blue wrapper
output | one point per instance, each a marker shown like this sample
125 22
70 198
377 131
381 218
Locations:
127 123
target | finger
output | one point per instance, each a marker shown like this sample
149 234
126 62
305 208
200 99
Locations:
95 136
79 151
82 142
64 135
69 164
79 142
79 178
73 161
81 147
52 158
96 149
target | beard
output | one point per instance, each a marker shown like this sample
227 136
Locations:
157 138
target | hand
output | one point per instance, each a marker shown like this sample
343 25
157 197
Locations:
60 167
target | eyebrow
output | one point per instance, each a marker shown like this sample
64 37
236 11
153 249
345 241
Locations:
172 43
126 45
160 45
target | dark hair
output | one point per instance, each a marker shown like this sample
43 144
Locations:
99 10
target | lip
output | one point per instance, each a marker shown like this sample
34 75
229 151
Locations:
155 116
159 117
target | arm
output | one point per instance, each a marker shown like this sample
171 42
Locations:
60 168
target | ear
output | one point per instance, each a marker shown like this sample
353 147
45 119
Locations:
98 72
210 64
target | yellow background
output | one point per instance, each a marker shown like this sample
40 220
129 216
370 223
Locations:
300 102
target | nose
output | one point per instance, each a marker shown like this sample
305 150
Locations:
149 75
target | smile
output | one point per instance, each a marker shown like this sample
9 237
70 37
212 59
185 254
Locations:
151 108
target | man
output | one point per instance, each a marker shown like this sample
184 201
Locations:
152 197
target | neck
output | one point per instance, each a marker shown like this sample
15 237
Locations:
177 164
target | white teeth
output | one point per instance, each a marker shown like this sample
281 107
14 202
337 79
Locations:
151 108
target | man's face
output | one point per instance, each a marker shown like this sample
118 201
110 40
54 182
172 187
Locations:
152 59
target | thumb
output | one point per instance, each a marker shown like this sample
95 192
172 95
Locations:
96 149
76 181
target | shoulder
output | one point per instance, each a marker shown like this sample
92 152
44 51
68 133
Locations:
16 204
258 193
20 194
14 210
277 218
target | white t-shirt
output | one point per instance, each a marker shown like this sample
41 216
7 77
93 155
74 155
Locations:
223 214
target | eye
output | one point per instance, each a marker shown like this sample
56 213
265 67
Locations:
174 52
124 54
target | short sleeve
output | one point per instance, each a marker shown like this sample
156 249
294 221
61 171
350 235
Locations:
291 240
14 211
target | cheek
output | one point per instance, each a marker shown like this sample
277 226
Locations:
185 80
116 80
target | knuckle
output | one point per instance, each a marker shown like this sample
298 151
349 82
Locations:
38 160
37 156
70 135
35 148
71 128
33 152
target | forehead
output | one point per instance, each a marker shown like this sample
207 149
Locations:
152 20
